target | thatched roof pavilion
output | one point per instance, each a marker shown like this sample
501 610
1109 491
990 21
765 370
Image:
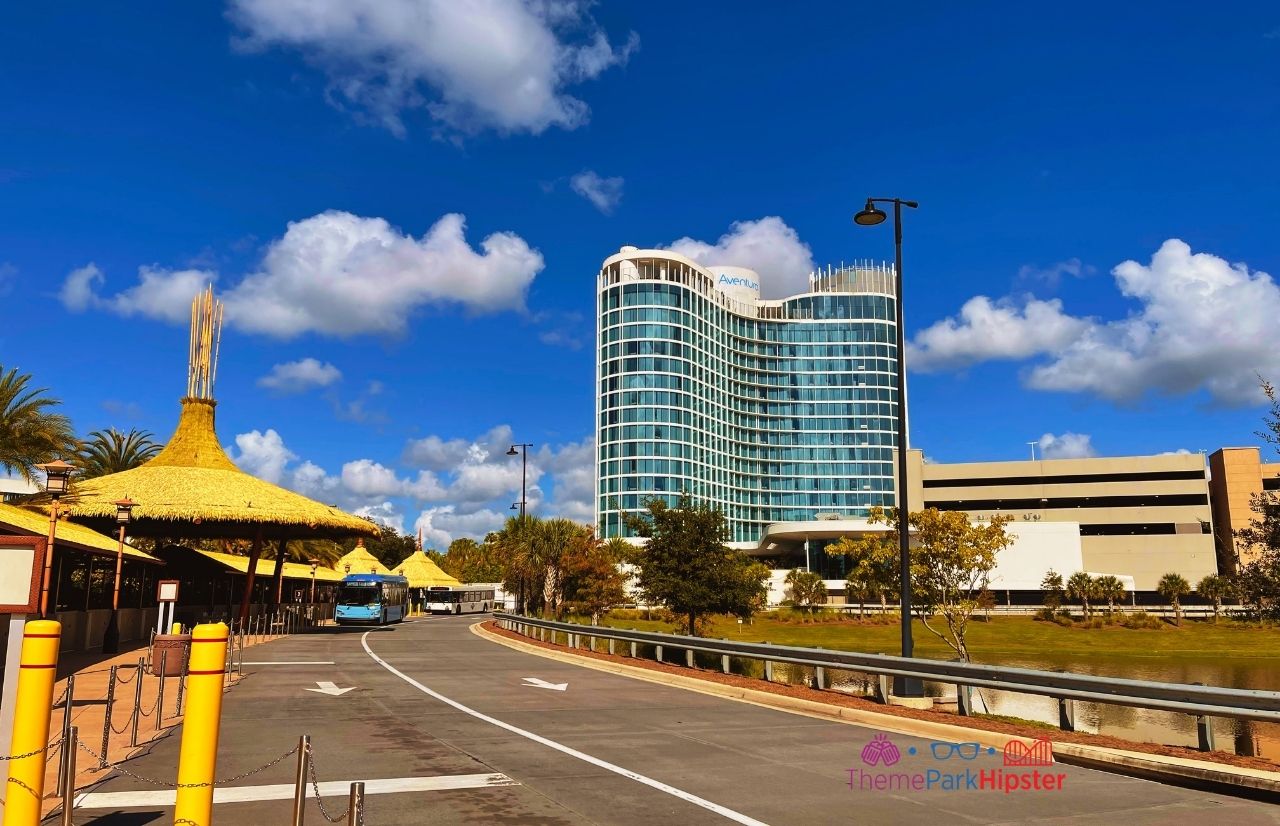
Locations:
422 572
360 561
192 489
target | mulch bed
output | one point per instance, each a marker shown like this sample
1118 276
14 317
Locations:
836 698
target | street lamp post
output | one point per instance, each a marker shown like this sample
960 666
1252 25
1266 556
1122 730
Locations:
111 638
524 472
57 476
314 565
869 217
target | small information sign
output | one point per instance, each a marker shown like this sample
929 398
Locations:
167 590
21 571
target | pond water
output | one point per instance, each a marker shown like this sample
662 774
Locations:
1138 724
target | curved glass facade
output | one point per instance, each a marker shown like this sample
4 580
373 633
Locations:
772 411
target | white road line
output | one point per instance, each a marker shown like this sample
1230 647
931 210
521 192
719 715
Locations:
736 817
287 662
284 791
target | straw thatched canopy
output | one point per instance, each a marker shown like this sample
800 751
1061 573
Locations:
23 522
361 562
193 489
422 572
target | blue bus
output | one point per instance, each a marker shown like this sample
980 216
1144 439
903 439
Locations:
372 599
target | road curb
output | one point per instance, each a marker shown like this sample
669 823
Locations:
1180 771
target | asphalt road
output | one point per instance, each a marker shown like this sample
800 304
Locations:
606 750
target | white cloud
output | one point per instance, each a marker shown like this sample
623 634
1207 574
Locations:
604 193
1052 274
339 274
466 485
768 246
1202 324
501 64
1066 446
262 454
301 375
989 330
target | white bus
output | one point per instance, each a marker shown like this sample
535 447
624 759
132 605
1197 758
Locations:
459 599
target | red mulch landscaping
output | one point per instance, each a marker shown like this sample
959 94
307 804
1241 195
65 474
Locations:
837 698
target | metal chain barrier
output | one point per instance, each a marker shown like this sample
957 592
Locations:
128 721
168 785
315 787
137 672
51 745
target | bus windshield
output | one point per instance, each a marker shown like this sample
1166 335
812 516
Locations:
357 594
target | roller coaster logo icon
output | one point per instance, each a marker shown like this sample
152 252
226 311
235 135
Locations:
1038 752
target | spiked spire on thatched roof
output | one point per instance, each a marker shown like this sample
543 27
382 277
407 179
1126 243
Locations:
361 562
422 572
192 488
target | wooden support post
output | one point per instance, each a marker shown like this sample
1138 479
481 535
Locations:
688 657
724 663
277 576
659 648
882 685
820 678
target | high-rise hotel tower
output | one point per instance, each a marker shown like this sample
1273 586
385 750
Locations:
770 410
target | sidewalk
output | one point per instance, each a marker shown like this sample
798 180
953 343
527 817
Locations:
89 707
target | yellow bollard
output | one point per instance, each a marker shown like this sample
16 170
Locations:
36 676
176 629
198 755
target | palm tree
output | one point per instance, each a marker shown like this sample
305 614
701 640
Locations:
1214 588
30 433
1112 590
1173 587
110 451
807 589
1082 588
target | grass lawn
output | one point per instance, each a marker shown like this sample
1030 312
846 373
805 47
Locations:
1005 638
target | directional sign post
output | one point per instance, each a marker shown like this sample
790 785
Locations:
534 682
331 689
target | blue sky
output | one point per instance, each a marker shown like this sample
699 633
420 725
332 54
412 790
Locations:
405 204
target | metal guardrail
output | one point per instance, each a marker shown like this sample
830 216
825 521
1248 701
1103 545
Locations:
1200 701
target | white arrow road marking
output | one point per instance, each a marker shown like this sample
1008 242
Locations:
534 682
331 689
723 811
284 791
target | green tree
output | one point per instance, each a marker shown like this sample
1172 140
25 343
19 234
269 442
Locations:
951 565
471 561
390 547
30 432
808 591
592 580
686 566
873 565
1083 589
858 587
1214 588
514 543
110 451
1111 589
1257 581
1173 587
1053 589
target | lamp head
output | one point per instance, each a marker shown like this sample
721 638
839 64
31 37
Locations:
870 215
57 475
124 511
513 451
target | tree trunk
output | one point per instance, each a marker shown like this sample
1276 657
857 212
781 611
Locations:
1177 613
1217 606
247 598
693 626
278 575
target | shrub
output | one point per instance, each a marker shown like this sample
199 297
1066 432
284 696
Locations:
1045 614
